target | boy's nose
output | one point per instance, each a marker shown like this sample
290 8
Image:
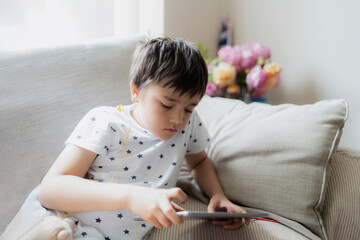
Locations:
177 117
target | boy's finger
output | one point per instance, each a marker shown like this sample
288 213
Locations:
234 226
177 207
163 219
169 212
155 222
177 193
222 222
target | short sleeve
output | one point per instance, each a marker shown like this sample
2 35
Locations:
95 131
199 138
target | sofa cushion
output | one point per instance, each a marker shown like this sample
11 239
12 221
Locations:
44 93
275 158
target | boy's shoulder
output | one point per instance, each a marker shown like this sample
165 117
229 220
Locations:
109 113
111 109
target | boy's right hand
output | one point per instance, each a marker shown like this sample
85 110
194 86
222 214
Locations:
155 205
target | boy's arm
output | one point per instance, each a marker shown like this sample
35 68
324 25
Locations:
65 189
205 175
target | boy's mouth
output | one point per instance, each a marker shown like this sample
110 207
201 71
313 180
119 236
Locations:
171 130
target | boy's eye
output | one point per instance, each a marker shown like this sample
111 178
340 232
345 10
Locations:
166 106
188 111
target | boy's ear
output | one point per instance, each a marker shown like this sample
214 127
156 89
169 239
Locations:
134 92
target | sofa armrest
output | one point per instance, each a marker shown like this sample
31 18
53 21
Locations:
341 211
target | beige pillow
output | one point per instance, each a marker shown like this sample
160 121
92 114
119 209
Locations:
275 158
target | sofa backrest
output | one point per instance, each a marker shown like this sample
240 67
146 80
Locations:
43 94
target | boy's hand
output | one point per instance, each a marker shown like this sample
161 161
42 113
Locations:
220 203
155 205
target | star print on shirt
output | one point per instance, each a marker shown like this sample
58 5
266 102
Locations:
83 234
126 231
135 137
112 159
141 143
143 225
113 129
173 145
139 155
161 156
133 177
106 147
173 163
148 167
98 220
107 238
128 151
126 168
120 215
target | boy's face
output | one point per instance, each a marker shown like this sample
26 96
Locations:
162 111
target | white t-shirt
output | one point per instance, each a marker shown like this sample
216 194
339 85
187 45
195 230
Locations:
130 154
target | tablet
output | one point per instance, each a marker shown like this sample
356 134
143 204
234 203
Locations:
215 215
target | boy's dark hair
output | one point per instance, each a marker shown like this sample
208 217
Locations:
171 63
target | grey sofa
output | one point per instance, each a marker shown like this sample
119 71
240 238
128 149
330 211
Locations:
280 159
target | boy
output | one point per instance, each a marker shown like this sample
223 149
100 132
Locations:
124 162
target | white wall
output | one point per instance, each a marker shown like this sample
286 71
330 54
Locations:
318 45
198 21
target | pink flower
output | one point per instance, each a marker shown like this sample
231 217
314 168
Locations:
260 50
256 78
229 54
248 58
242 57
212 89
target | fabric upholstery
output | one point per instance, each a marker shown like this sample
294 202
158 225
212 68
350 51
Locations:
44 94
275 158
341 210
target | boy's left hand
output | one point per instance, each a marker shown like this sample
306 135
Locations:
220 203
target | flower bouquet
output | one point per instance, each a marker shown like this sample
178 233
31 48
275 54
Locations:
243 72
